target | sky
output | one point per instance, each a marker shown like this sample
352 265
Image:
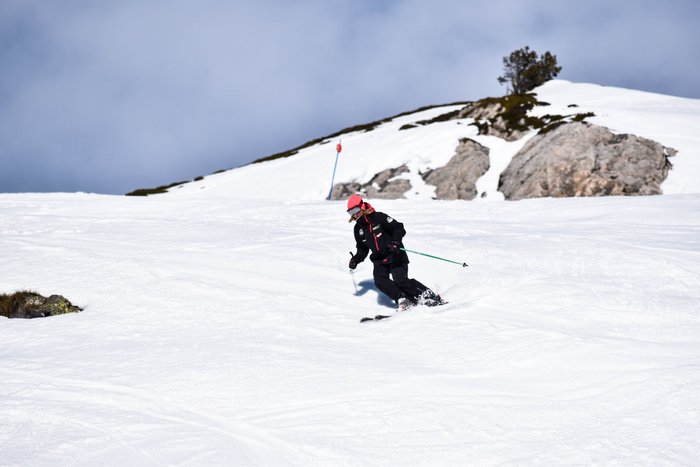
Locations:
107 97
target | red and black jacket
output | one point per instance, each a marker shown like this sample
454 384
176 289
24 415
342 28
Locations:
373 232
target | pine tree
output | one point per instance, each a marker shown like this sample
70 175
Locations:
524 71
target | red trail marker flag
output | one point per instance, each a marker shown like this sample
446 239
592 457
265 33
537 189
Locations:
338 148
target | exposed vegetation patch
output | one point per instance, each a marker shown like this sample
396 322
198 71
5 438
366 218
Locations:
443 117
27 304
582 117
508 117
561 120
155 191
505 116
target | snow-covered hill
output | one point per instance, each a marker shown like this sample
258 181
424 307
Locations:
671 121
221 325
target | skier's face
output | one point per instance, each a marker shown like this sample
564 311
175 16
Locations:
355 213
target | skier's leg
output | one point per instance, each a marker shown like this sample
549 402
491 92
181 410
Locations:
384 283
413 289
419 285
410 287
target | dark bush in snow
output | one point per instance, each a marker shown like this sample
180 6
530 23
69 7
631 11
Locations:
25 304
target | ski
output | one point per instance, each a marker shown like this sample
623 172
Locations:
381 317
375 318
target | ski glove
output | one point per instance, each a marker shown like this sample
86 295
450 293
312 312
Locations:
394 246
353 262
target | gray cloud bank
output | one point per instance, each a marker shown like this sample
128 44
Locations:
111 96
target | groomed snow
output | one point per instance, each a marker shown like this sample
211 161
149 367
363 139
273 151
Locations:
221 325
225 332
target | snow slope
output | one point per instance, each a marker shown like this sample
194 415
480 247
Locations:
221 325
671 121
225 332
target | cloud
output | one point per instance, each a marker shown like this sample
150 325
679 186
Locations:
111 96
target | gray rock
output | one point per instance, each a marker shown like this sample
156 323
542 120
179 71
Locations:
345 190
32 305
380 186
457 180
580 159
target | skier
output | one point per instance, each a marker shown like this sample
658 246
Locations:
381 234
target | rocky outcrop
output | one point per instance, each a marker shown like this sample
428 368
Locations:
580 159
383 185
32 305
567 158
506 117
495 119
457 180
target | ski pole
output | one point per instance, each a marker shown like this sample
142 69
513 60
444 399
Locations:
464 265
352 274
338 148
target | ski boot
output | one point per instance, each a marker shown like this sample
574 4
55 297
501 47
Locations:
430 298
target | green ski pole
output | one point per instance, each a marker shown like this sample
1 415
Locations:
464 265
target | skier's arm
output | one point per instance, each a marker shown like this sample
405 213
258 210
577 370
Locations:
394 228
362 250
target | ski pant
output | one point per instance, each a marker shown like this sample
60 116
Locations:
401 285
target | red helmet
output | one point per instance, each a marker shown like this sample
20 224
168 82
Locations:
354 202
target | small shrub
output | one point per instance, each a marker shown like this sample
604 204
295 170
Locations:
524 71
582 117
27 304
10 303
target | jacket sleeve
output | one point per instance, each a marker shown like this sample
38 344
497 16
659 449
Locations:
393 228
362 250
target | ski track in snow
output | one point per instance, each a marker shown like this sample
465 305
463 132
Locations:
222 332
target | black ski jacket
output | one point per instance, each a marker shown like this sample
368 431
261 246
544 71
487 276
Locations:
374 232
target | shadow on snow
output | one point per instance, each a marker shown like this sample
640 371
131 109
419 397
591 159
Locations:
368 285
